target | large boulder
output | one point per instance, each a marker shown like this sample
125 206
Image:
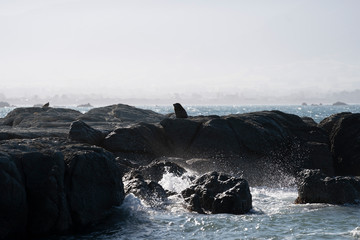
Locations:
345 145
328 123
13 205
41 117
218 193
143 138
81 132
94 184
52 186
121 113
316 187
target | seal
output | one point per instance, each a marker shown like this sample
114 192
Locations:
46 105
180 112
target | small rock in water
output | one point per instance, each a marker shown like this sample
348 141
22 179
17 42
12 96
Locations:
218 193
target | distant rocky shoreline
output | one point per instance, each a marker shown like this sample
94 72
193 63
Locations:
63 170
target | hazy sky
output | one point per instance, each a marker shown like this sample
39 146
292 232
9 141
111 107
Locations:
149 48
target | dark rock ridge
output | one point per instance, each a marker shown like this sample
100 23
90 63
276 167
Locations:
344 137
316 187
81 132
121 113
53 186
218 193
37 122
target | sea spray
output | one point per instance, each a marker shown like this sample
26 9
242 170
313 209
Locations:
174 183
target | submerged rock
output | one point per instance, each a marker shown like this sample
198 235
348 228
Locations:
218 193
316 187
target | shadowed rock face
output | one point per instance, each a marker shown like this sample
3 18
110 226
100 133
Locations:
316 187
59 186
81 132
218 193
345 145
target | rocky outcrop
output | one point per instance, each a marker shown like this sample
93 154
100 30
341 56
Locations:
121 113
4 104
261 140
37 117
81 132
144 139
218 193
316 187
52 186
344 137
13 205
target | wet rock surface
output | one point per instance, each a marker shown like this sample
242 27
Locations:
316 187
218 193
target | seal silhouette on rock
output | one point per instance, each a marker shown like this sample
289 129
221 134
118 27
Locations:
180 112
46 105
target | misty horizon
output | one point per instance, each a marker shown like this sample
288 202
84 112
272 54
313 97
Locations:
254 51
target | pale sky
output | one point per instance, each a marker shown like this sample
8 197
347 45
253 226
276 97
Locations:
147 48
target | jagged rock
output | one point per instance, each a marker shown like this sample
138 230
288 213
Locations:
81 132
156 170
149 191
316 187
218 193
309 121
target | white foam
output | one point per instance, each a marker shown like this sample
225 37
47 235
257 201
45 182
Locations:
355 233
175 183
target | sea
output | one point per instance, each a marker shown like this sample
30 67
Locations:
274 214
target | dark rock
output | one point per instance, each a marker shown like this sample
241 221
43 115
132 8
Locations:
156 170
149 191
339 104
67 185
81 132
180 112
316 187
46 105
121 113
309 121
328 123
180 133
94 184
87 105
13 206
143 138
218 193
345 145
41 117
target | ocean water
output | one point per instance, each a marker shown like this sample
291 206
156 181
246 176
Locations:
274 216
